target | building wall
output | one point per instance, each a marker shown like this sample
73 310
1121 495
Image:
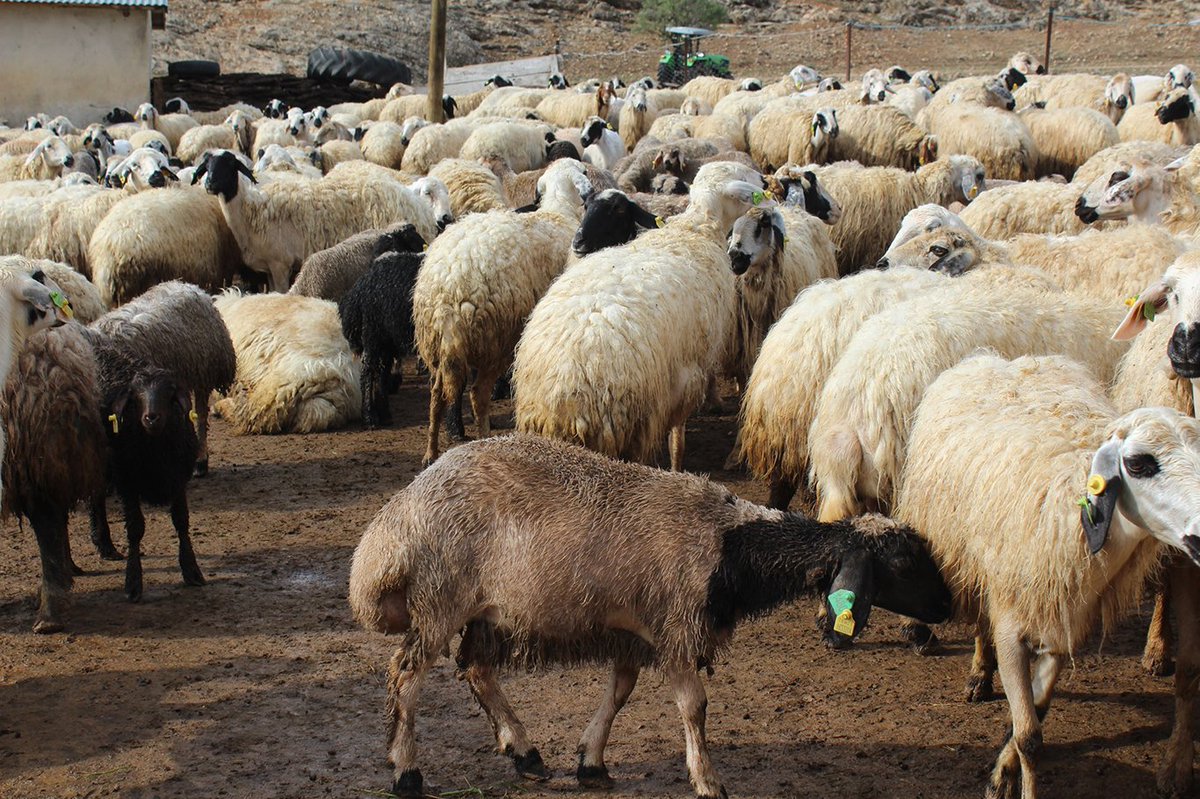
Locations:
75 61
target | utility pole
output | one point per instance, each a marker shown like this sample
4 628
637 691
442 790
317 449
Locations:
437 60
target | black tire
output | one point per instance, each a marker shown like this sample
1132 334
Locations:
193 69
342 66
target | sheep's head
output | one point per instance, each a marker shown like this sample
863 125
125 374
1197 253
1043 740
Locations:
53 152
824 130
220 171
803 75
924 77
562 149
1012 78
147 114
750 85
276 109
923 219
799 187
1137 189
143 168
1178 76
435 193
410 127
558 80
401 238
34 301
885 565
668 159
61 126
117 116
829 85
33 123
637 99
946 250
398 90
1176 295
967 177
1026 64
756 238
1119 91
449 106
1176 105
593 130
1147 472
874 87
669 184
155 400
997 95
319 116
610 219
297 123
498 81
898 74
564 183
646 82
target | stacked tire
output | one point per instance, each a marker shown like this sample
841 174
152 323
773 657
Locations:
342 65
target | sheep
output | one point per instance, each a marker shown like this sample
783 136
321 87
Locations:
670 127
1150 88
625 307
401 108
970 91
466 103
880 135
1109 96
472 296
328 274
383 144
997 138
223 113
695 107
153 237
1144 191
1066 138
521 190
1030 207
78 290
602 146
473 188
1171 120
421 565
510 101
858 438
295 371
377 322
281 223
44 162
874 200
69 218
1028 576
233 134
521 146
637 170
1103 162
172 126
610 218
429 145
55 454
151 138
142 169
781 134
683 160
335 152
566 109
563 149
708 89
637 115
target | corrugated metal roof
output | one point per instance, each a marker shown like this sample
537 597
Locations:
136 3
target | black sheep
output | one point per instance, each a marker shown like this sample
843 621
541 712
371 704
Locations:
153 450
377 322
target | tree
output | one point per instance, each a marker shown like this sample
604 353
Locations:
659 14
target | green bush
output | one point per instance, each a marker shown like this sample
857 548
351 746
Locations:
658 14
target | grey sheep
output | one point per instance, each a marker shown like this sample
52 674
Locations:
330 273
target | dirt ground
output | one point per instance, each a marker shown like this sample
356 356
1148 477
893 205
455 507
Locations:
259 684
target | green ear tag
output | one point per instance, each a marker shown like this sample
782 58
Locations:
758 197
1083 503
62 304
1148 311
841 602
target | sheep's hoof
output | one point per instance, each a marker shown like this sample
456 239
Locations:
530 765
923 639
593 777
979 689
1174 784
202 468
457 436
1158 664
47 626
409 784
195 577
75 570
109 553
722 795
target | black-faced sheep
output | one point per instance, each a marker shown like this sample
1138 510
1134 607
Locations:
514 525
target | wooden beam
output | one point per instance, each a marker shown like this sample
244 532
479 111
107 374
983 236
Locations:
437 60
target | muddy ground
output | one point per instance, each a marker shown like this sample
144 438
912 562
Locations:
259 684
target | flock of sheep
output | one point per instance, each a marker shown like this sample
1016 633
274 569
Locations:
917 289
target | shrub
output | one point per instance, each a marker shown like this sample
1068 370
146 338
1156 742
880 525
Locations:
659 14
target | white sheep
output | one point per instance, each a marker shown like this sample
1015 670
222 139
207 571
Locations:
86 306
602 146
620 349
637 115
1027 207
1171 120
881 135
1067 137
479 283
1109 96
235 133
281 223
522 146
384 144
569 109
173 126
783 134
295 371
997 138
999 459
472 186
44 162
431 144
1103 162
859 434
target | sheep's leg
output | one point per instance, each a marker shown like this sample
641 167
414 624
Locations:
481 400
406 675
187 557
592 773
368 381
50 528
1045 675
782 492
693 704
1156 657
455 429
382 380
511 736
1175 774
676 443
446 383
101 533
135 528
200 401
1013 774
922 637
983 666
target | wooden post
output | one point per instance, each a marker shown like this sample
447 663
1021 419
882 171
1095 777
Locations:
437 60
849 39
1049 33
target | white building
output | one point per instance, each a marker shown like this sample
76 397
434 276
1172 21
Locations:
75 57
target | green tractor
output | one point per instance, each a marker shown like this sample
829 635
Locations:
684 61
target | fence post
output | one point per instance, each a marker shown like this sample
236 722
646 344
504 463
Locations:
849 41
1049 33
437 60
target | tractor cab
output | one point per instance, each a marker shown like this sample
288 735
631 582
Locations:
684 60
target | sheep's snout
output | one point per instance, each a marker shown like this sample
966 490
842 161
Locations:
881 95
739 261
443 221
1085 212
152 421
157 180
882 263
1183 350
1122 101
69 160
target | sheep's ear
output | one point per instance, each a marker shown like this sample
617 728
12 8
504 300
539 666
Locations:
118 406
245 170
1142 309
851 594
184 398
1099 504
200 170
644 218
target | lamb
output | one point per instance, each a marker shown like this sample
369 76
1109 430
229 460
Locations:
567 109
1172 120
1045 424
521 146
674 608
154 237
858 438
1066 138
280 224
473 188
328 274
602 146
472 297
377 322
174 327
781 134
637 115
172 126
44 162
626 307
55 454
874 200
295 371
998 139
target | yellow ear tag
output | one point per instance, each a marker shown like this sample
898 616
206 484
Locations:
195 418
974 191
112 417
842 603
658 220
1096 485
1129 301
609 126
425 248
844 623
